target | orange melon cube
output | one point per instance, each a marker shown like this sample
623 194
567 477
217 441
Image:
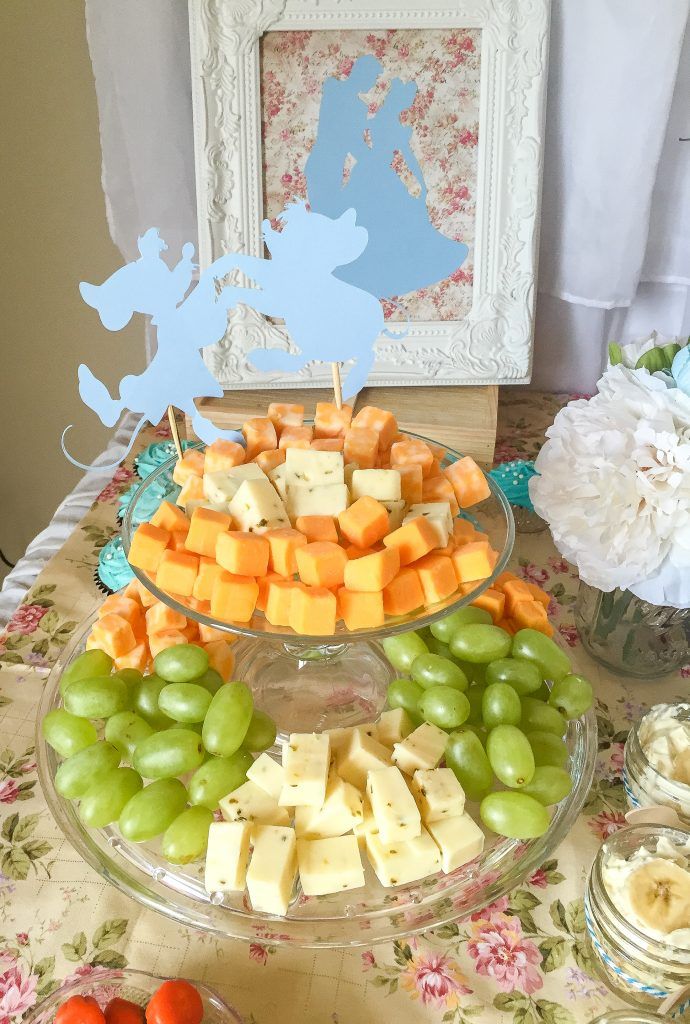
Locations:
411 483
178 540
530 615
115 635
372 572
118 604
361 446
191 464
279 601
296 437
169 517
379 420
132 591
208 634
352 551
538 594
223 455
492 601
503 578
233 598
328 444
160 618
270 460
317 528
244 554
177 572
148 545
413 540
508 625
360 610
434 469
412 453
283 414
161 641
439 488
137 658
330 421
209 571
437 577
204 528
515 591
192 490
437 450
283 544
472 561
404 593
469 483
190 631
145 596
364 522
321 564
464 532
221 658
263 582
313 611
260 435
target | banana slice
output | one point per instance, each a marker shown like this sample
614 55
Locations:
681 767
660 895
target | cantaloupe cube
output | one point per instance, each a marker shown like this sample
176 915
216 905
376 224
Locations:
464 532
538 594
263 582
243 554
312 611
283 414
434 470
437 577
492 601
147 547
209 571
469 483
439 488
411 484
413 540
404 593
132 591
178 540
223 455
203 607
328 444
191 631
330 421
472 562
412 452
233 598
204 527
221 658
161 641
283 544
270 459
503 578
279 601
160 618
530 615
260 435
379 420
191 464
169 517
317 528
360 610
296 437
361 446
364 522
352 551
437 450
126 607
508 625
145 595
137 658
115 635
321 564
192 490
515 590
372 572
177 572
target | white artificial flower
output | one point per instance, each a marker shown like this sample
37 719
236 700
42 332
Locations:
632 351
614 486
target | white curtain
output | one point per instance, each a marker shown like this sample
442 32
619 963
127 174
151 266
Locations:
615 248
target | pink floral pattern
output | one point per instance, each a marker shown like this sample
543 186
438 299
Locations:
501 951
9 791
435 979
120 480
606 823
26 619
18 989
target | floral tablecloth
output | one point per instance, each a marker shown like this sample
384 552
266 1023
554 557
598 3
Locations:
520 961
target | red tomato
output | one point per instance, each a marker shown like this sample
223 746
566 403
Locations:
175 1002
80 1010
121 1011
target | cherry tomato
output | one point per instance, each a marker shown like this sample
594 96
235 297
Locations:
121 1011
175 1002
80 1010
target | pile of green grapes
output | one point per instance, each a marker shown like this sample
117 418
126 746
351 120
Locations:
488 690
183 720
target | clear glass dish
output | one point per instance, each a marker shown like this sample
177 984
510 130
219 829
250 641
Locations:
358 917
136 986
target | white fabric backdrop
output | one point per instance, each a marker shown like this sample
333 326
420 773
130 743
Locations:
615 250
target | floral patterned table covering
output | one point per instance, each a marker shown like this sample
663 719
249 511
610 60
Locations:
520 961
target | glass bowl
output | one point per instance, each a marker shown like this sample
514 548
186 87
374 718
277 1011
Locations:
136 986
358 917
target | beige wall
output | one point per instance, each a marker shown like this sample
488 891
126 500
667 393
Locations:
54 234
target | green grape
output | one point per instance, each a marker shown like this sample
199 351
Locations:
125 731
106 798
217 777
475 697
99 697
169 753
467 759
540 717
432 670
181 664
444 706
403 649
186 838
86 666
145 702
530 645
572 696
210 680
261 733
523 676
75 775
131 676
514 815
405 693
510 755
500 706
150 811
184 702
227 719
549 784
548 749
480 643
475 673
478 730
542 694
436 647
66 733
444 629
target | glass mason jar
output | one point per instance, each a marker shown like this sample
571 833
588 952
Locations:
630 636
629 1017
643 971
645 786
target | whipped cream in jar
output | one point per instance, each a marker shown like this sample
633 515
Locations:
656 762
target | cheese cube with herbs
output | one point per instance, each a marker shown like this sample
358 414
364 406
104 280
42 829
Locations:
382 484
393 726
317 499
227 856
341 737
272 869
277 478
393 806
396 513
268 775
341 811
329 865
438 514
223 485
368 823
257 508
360 755
459 839
402 862
306 761
423 748
438 794
307 466
250 802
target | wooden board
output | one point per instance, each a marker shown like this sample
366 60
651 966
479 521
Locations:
463 418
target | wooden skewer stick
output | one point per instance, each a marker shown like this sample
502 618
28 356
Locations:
337 385
175 432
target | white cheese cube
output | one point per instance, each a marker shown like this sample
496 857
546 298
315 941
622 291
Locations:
368 823
423 748
439 515
272 869
342 810
403 862
459 839
360 755
306 761
223 485
382 484
250 802
268 775
308 466
341 737
396 513
227 856
257 507
217 506
396 813
438 793
393 726
329 865
277 478
317 499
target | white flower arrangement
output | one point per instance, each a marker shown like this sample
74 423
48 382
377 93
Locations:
614 475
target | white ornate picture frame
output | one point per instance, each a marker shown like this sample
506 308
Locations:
492 344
